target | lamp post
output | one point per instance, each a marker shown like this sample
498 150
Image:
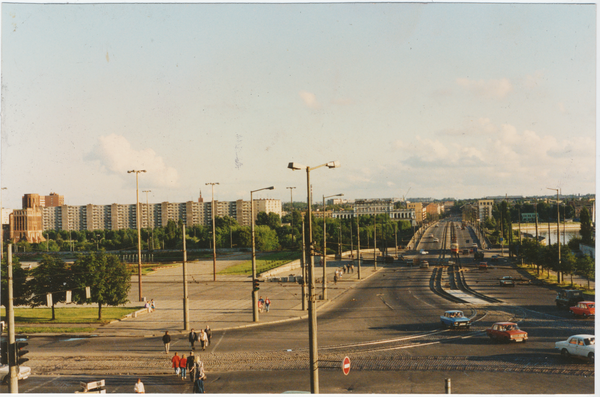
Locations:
292 210
312 313
254 290
137 219
148 216
1 227
325 247
212 210
559 273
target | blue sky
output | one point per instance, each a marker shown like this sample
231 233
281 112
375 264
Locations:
449 100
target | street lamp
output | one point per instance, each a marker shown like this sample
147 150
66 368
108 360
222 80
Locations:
1 226
148 217
312 313
212 209
325 247
254 290
292 210
557 232
137 219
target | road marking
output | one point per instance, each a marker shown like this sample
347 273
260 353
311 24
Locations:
43 384
217 344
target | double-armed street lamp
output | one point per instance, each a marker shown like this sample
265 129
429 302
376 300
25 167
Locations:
137 219
254 281
325 246
312 313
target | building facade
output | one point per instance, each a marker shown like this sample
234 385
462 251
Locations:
484 209
376 207
419 211
26 223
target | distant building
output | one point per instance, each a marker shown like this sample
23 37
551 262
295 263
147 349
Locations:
419 211
26 223
52 200
376 207
484 209
528 217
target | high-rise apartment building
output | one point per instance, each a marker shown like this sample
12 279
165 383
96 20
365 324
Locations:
484 209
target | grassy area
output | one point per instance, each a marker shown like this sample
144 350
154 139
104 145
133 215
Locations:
551 279
69 315
52 330
265 263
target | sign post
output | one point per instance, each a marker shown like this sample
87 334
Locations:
346 365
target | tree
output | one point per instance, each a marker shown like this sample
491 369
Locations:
20 287
51 276
586 267
107 277
586 226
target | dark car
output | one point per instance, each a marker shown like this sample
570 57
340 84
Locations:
568 297
507 281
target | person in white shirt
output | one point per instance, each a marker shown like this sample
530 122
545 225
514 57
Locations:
139 387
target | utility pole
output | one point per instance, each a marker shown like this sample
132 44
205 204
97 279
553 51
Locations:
137 219
13 381
304 269
358 242
375 241
214 239
186 307
292 210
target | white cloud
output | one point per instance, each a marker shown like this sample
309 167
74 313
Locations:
116 156
309 99
487 88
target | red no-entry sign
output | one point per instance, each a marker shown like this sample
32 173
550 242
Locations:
346 365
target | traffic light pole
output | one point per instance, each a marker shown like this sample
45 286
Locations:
254 283
13 382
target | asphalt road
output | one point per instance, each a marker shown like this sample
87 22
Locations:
388 325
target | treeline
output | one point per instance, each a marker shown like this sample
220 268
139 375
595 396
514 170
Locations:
271 233
107 277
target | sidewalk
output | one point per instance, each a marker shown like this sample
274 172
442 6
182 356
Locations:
223 304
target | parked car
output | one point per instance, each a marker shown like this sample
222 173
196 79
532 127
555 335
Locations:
578 346
24 373
506 332
584 309
568 297
455 319
507 281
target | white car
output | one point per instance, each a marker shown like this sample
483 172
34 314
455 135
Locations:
578 345
24 373
436 240
423 252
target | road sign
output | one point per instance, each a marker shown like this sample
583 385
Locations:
346 365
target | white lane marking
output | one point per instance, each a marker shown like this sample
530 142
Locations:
41 385
217 344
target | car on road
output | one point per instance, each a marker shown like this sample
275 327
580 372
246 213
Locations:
507 281
24 373
455 319
577 346
584 309
423 252
495 258
436 240
483 266
431 235
506 332
568 297
424 265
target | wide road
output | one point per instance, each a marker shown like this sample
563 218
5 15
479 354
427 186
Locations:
388 323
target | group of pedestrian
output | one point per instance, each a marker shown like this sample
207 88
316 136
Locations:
348 268
204 337
264 304
191 367
150 306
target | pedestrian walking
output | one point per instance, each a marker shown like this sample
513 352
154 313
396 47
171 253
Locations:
167 341
139 387
183 366
152 305
335 278
261 303
191 362
192 338
199 376
203 339
267 304
147 307
175 362
208 333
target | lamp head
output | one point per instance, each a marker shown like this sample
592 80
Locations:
296 166
333 164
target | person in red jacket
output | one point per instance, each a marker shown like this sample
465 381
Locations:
175 361
183 365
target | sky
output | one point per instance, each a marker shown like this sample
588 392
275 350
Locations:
417 100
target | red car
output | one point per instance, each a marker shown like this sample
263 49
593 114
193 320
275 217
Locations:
506 332
584 309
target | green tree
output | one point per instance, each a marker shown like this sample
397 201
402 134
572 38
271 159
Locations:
20 287
586 226
51 276
586 267
107 277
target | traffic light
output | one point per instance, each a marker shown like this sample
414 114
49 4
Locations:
20 352
255 285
